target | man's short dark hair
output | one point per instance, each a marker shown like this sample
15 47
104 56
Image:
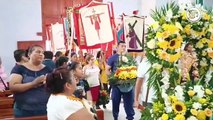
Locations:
48 55
61 60
58 54
18 54
121 42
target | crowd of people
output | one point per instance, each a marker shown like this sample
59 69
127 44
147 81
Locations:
41 79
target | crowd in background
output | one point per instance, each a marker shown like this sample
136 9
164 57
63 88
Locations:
40 78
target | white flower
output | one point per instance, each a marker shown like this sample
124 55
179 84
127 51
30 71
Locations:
192 118
151 111
199 90
124 59
209 49
166 83
179 93
151 44
157 66
160 118
208 76
165 86
165 97
168 109
211 61
169 15
196 105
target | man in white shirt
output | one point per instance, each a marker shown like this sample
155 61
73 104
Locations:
141 86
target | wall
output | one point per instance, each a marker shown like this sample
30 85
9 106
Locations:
208 3
20 20
124 6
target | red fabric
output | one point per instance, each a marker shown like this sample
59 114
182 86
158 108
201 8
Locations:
79 31
95 93
135 12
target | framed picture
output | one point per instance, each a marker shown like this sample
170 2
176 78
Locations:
134 33
96 24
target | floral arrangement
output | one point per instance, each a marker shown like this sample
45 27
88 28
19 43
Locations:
126 72
104 97
164 43
191 103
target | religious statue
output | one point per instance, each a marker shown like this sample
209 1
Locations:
188 64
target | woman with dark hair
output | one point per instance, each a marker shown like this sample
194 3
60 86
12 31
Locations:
83 89
57 55
27 83
61 62
73 57
63 104
101 62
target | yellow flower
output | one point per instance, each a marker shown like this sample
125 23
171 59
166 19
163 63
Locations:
163 55
164 44
165 34
210 54
194 112
202 100
187 29
174 58
208 112
157 106
159 35
203 40
191 93
173 99
204 53
165 117
210 44
158 51
183 14
201 115
199 45
171 28
132 74
179 107
123 75
208 92
206 16
175 43
179 117
211 37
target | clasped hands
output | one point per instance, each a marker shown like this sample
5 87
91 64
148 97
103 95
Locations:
39 81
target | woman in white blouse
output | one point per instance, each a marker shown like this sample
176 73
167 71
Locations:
92 73
62 104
